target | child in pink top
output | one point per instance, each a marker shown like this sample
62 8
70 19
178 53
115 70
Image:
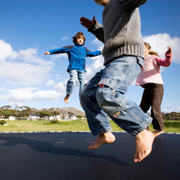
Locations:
150 79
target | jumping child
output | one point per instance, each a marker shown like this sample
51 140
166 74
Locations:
123 54
77 64
150 79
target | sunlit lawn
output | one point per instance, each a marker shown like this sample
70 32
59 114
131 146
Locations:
74 125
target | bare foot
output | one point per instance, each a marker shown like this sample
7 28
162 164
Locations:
157 133
144 141
66 99
104 138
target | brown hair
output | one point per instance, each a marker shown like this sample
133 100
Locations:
78 35
153 53
147 45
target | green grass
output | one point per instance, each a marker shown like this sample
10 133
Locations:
75 125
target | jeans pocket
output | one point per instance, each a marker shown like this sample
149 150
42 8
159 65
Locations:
112 83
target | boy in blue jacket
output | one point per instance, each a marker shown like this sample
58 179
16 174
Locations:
77 64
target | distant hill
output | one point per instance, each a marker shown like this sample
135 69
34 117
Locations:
65 110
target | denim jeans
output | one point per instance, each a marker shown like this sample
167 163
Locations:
75 75
104 95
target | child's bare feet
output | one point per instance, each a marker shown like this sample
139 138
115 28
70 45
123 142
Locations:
144 141
104 138
66 99
157 133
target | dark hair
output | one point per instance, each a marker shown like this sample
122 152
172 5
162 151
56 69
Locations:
78 35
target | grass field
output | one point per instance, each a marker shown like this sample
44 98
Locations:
75 125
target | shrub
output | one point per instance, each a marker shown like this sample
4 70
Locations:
2 122
54 121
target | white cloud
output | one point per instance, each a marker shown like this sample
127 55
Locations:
14 104
48 95
50 83
160 42
96 66
31 56
61 86
59 56
6 51
28 94
171 109
97 62
27 67
65 38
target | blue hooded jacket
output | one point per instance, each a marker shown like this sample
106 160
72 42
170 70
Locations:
76 55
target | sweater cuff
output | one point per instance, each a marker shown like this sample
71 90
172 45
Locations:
94 27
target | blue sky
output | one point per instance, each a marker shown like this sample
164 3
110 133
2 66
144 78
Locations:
28 28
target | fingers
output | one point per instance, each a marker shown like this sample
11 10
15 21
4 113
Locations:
169 51
169 48
83 19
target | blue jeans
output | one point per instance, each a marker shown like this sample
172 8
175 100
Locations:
75 75
104 95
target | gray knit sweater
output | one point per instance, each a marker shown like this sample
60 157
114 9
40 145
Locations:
121 30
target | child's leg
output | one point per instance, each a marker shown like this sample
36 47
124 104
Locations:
96 117
157 95
116 78
66 98
146 99
82 80
70 84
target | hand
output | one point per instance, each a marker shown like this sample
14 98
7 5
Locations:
169 51
87 22
47 53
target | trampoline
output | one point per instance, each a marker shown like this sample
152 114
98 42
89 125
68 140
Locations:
64 156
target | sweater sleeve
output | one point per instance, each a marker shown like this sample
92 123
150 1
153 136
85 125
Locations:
65 49
131 4
164 62
97 30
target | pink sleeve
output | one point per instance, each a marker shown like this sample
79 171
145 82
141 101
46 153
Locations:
164 62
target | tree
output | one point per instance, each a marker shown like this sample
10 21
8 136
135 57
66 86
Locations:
6 107
6 114
79 116
44 113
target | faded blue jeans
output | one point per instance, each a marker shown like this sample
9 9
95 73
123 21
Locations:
75 75
104 95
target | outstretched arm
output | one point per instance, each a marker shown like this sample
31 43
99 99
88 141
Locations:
65 49
92 54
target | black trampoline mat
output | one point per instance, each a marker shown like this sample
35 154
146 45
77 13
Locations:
64 156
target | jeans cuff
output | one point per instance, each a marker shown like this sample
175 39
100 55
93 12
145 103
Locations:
101 131
142 128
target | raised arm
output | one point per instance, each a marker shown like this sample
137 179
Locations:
167 61
94 27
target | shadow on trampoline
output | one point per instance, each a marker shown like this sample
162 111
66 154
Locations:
64 156
46 147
